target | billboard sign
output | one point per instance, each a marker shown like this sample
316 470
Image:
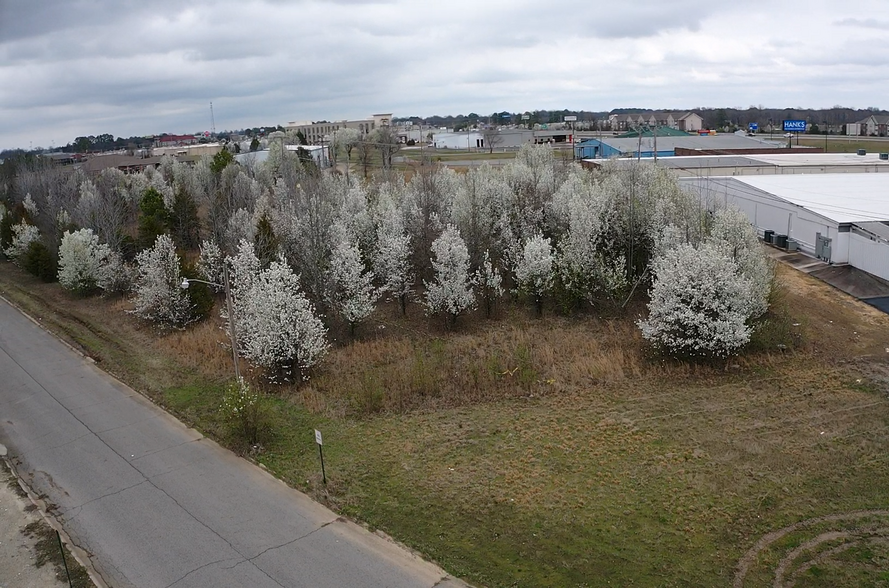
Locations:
753 126
571 118
794 126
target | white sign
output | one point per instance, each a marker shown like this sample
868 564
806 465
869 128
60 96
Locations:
571 118
318 437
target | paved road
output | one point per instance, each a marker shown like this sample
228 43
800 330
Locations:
158 505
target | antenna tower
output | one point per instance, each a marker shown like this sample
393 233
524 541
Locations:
212 120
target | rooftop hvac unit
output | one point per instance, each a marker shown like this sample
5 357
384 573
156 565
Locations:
781 241
792 245
767 236
884 156
862 152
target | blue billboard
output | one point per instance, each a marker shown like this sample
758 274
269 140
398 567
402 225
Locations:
794 126
753 126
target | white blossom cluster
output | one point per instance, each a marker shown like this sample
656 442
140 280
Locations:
534 269
354 294
160 297
81 257
277 327
451 290
23 235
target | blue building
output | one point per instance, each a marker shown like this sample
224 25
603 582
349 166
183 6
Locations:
607 147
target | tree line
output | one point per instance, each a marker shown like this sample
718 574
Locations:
306 251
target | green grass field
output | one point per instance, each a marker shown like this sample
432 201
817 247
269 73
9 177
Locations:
556 452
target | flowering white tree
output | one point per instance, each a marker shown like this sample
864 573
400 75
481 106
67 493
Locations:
700 303
115 276
160 297
80 259
210 263
583 269
733 234
392 258
354 294
451 290
534 269
490 283
277 326
23 235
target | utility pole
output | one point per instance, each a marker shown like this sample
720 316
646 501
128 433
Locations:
212 121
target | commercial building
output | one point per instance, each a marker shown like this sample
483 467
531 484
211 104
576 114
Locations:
318 153
799 162
319 132
648 146
839 218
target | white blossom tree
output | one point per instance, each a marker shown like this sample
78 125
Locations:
392 258
160 297
490 283
733 234
700 304
115 276
210 263
450 292
277 326
534 270
80 258
23 235
354 294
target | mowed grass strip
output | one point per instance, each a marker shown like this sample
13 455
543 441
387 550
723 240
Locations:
556 452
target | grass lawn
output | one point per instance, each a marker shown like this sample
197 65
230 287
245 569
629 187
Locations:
555 452
841 144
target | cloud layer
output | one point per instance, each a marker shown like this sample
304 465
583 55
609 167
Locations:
131 68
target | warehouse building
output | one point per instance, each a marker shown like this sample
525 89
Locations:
724 144
762 165
839 218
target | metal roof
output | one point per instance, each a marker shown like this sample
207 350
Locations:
843 198
725 141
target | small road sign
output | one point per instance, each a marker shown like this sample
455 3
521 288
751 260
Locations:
318 437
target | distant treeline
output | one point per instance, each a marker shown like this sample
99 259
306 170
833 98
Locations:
714 118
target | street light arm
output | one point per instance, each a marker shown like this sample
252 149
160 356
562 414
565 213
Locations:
187 281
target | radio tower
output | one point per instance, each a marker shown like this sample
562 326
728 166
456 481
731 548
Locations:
212 121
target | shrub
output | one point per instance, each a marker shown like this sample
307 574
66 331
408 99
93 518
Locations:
39 261
700 304
80 258
243 410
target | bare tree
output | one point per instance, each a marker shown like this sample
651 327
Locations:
491 137
387 142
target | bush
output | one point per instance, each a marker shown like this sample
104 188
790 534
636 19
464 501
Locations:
80 258
243 411
40 261
701 304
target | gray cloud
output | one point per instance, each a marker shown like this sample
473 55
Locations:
133 67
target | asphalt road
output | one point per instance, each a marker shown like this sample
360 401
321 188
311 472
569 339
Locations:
154 503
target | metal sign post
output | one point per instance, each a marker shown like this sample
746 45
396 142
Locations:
321 453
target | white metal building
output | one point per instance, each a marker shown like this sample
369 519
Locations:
850 211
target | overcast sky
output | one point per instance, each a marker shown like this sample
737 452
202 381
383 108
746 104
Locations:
81 67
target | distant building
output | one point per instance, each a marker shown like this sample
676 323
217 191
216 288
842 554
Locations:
319 132
683 121
721 144
199 149
174 140
875 125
